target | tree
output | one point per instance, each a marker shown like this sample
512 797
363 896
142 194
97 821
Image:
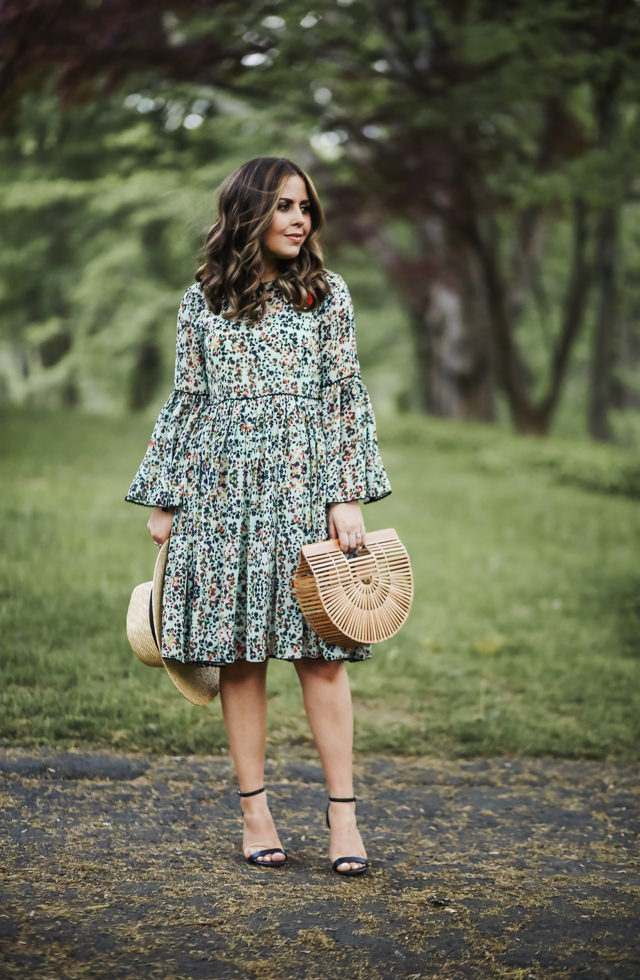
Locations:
465 135
484 129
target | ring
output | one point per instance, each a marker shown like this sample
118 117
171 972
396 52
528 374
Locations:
358 535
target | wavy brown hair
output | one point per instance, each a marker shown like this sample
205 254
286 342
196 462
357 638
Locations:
232 270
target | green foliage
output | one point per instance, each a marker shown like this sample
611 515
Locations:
523 637
483 117
104 211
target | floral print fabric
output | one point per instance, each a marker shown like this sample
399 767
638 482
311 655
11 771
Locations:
267 424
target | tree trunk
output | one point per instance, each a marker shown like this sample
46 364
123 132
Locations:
450 327
602 350
531 417
606 108
512 376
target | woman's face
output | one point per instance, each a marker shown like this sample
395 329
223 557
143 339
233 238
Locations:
290 224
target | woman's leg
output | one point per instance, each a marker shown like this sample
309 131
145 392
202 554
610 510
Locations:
327 702
243 694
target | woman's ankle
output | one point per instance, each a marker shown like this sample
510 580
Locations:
254 804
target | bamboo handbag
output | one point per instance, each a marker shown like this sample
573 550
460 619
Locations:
362 599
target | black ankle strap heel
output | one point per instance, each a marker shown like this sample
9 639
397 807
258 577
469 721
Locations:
255 857
346 860
339 799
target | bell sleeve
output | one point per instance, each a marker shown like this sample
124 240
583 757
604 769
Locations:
354 466
166 472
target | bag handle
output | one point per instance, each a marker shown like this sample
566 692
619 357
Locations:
333 544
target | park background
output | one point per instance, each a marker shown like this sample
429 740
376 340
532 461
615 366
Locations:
478 164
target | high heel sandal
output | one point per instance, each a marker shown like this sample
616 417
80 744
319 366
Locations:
253 858
346 860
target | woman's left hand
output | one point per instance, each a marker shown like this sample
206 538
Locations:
345 522
159 525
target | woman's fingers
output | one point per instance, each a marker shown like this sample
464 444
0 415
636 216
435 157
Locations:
346 524
344 540
350 537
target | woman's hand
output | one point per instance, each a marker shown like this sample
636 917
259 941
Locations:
345 523
159 525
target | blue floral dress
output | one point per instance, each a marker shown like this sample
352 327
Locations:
267 424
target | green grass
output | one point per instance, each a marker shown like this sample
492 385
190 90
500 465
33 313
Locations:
523 637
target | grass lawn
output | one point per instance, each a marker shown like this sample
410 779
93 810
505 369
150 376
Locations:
524 637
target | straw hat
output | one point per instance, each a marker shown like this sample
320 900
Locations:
197 683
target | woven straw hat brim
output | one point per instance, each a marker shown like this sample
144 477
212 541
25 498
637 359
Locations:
156 589
139 626
198 684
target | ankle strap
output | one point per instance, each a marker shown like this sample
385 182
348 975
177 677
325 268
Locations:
254 792
342 799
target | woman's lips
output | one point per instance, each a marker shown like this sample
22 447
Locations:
295 238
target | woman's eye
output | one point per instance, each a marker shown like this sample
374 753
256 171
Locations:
285 205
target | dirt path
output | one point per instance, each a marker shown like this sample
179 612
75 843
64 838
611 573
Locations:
129 867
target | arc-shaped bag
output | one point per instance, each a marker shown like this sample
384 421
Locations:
362 599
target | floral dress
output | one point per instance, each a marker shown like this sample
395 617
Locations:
267 424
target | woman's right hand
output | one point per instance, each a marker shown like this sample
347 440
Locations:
159 525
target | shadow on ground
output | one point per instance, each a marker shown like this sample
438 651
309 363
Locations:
130 867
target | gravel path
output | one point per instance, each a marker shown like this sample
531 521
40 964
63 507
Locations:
130 867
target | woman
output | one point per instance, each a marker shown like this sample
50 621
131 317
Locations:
267 442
